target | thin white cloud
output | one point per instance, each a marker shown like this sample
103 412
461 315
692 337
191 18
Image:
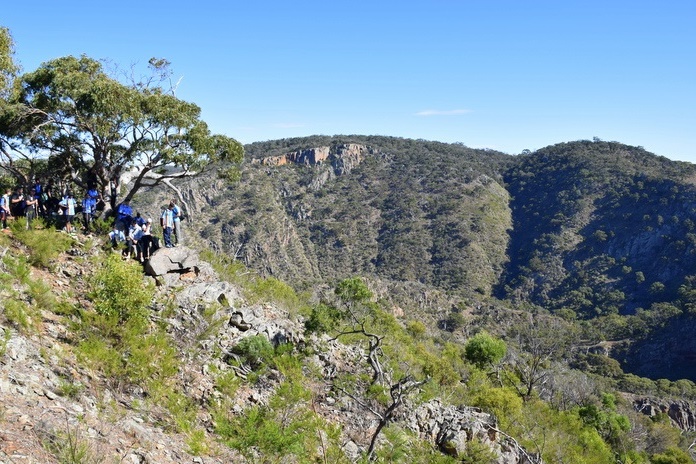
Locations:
441 112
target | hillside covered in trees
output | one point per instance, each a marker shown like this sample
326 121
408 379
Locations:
599 233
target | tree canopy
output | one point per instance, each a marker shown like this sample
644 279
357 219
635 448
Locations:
91 128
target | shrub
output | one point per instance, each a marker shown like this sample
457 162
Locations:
255 350
44 245
118 291
483 349
323 318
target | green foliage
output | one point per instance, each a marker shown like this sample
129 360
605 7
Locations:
44 244
254 351
79 102
70 447
612 426
255 287
8 68
101 226
416 329
20 314
671 456
272 289
118 291
484 350
353 290
323 318
285 427
503 402
560 436
478 453
6 336
69 389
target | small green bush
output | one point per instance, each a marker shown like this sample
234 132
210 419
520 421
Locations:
118 291
101 226
254 351
484 349
323 318
19 313
44 244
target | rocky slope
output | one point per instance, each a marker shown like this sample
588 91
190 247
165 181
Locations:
54 409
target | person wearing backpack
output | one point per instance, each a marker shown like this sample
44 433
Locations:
177 222
124 215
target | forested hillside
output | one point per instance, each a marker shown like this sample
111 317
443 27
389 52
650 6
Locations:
590 230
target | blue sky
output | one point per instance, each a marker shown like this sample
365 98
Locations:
505 75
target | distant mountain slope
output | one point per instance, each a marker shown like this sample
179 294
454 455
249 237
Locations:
407 210
585 229
599 227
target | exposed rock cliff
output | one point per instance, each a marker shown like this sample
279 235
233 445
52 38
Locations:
343 157
680 412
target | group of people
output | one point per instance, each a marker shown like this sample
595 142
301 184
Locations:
41 201
131 229
136 232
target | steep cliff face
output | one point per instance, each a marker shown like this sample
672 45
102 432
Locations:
343 157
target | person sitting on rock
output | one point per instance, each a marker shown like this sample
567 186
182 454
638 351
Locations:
116 236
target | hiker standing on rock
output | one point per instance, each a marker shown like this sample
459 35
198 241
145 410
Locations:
145 242
177 222
167 222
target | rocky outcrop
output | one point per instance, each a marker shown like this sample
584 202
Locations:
680 413
343 157
348 156
168 260
451 429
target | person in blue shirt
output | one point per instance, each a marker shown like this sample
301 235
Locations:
124 215
116 236
89 209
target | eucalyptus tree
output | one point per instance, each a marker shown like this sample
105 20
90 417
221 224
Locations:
93 128
13 161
